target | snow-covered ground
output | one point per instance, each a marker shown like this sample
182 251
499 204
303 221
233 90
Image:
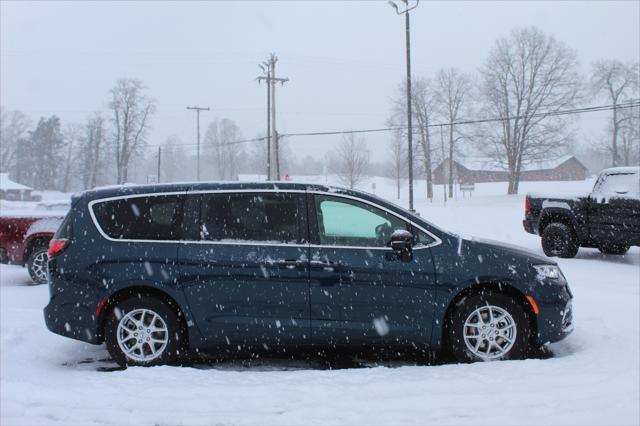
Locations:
592 378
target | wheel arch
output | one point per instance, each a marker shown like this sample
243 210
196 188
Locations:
135 290
501 287
557 215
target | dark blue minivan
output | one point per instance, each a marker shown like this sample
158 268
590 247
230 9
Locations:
159 271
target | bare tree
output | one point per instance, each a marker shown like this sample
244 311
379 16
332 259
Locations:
423 101
629 151
452 90
91 151
350 160
618 82
132 110
13 128
527 75
37 153
397 158
72 135
221 138
174 162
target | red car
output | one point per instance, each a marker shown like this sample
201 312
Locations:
24 240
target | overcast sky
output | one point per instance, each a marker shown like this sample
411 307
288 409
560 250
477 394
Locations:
344 59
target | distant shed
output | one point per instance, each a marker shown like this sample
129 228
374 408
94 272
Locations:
13 191
478 170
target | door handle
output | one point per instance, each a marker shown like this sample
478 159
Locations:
291 264
327 266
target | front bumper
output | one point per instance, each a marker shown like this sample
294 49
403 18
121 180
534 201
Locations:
555 319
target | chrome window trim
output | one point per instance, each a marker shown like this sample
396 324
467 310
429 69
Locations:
92 203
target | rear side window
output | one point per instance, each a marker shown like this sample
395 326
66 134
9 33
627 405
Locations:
623 185
263 217
65 231
141 218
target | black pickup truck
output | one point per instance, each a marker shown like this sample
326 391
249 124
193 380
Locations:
608 218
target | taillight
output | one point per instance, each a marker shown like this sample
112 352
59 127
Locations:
527 206
57 246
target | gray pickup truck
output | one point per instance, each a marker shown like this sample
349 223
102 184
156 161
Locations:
608 218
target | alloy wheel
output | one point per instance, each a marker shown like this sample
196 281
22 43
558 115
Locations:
489 332
142 335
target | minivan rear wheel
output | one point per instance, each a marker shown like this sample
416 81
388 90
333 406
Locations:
488 326
144 332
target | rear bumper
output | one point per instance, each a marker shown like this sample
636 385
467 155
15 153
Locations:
71 309
530 226
71 320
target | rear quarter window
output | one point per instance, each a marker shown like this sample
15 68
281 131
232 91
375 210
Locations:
140 218
65 231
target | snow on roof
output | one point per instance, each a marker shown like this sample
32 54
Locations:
489 164
7 184
625 170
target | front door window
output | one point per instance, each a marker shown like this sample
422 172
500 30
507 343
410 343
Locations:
346 222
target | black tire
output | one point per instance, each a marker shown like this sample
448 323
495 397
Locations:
613 249
461 348
175 334
559 240
37 264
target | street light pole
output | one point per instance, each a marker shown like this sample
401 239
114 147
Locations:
409 115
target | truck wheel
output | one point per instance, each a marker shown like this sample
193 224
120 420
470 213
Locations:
37 265
613 249
144 332
559 240
488 326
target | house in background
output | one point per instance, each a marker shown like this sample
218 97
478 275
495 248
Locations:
13 191
477 170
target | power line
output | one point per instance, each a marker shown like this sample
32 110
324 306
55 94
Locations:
629 104
635 103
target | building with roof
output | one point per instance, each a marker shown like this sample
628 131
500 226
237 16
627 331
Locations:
480 169
13 191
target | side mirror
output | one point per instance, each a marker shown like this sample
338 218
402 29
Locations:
401 243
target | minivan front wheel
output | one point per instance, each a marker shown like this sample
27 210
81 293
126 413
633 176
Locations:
488 326
144 332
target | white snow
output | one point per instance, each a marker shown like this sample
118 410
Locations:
593 377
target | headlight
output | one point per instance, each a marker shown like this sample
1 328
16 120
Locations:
549 271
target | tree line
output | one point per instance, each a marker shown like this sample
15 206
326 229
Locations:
527 76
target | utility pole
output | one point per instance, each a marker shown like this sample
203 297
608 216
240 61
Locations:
159 153
405 12
277 146
266 68
443 167
197 110
271 80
